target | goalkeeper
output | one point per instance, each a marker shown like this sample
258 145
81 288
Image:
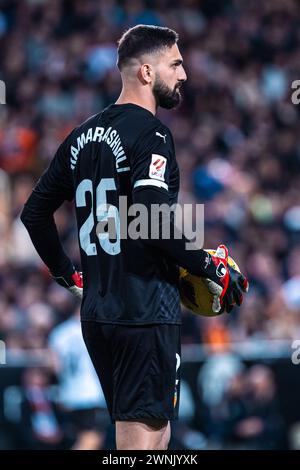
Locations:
130 311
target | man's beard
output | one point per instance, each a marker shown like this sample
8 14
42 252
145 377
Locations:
164 96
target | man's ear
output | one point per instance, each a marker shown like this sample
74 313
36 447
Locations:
146 73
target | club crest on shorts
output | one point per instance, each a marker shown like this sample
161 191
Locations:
158 167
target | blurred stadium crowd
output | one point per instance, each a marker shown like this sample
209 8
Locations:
238 148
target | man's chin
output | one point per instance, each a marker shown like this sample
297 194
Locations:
172 105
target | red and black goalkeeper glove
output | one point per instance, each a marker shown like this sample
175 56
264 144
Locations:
73 282
238 284
225 283
216 276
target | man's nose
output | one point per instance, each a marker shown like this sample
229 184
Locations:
182 77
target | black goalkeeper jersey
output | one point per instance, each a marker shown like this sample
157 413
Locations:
120 151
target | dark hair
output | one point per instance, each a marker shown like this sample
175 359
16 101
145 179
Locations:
143 39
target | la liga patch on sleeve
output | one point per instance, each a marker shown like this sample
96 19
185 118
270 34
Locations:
157 167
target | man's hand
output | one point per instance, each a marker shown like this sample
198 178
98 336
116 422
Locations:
238 284
217 276
73 282
225 283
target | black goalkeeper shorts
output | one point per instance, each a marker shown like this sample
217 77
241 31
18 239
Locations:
138 368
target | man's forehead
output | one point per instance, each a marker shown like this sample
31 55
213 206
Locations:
172 53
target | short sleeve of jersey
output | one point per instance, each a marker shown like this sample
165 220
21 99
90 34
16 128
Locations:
57 180
151 158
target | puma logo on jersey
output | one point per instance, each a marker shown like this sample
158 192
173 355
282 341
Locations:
162 136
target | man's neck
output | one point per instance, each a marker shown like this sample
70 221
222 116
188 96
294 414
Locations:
148 104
